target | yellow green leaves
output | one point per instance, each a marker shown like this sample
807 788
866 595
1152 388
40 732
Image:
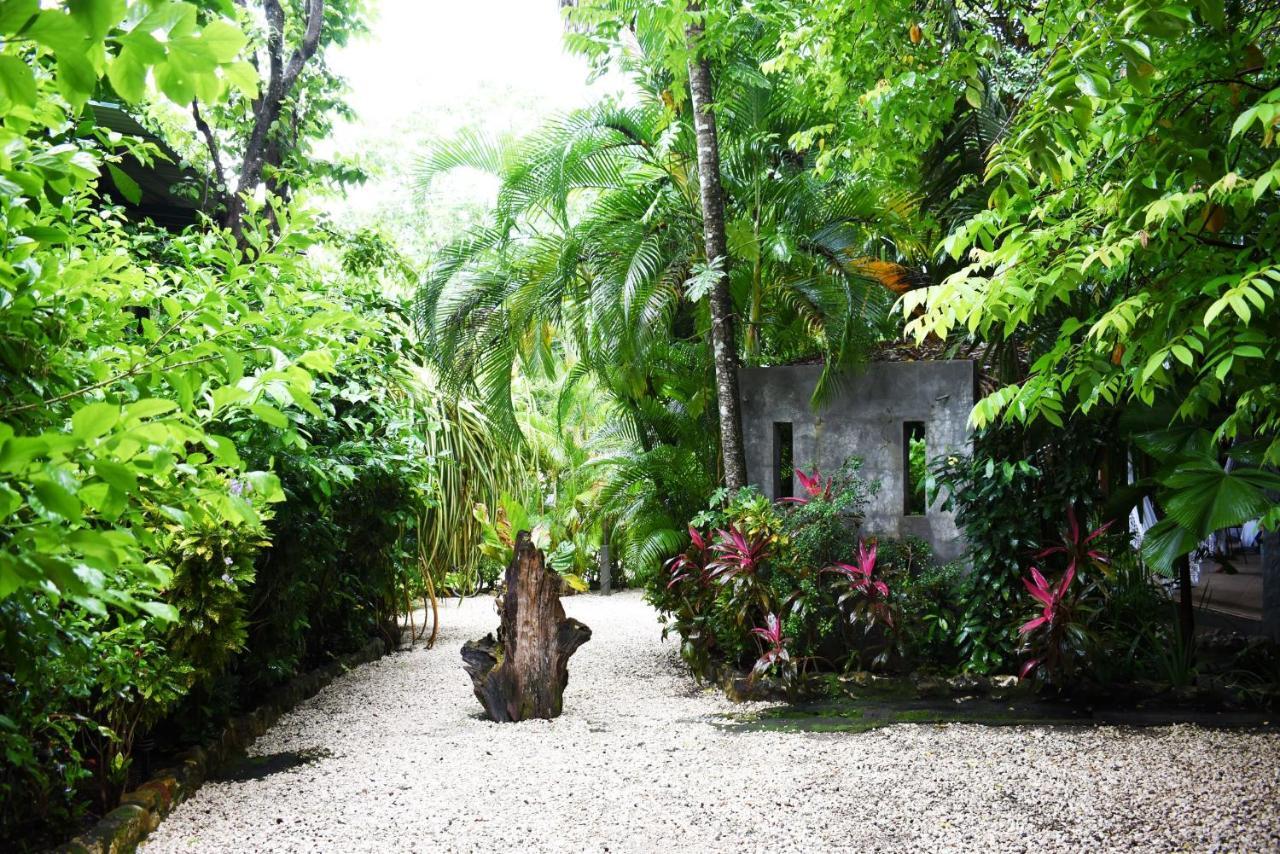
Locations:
90 422
136 44
17 83
219 40
54 499
1265 112
1253 291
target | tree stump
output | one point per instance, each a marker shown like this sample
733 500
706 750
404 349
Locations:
523 673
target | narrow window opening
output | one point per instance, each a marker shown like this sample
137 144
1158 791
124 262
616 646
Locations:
783 461
915 468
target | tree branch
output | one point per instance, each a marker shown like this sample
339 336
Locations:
212 143
266 110
310 41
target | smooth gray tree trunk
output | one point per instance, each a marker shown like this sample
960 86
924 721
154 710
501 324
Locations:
723 344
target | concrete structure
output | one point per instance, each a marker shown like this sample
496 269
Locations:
872 417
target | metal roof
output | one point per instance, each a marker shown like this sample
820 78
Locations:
172 194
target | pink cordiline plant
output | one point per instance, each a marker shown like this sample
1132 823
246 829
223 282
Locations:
815 486
1052 626
1054 637
691 563
869 594
1077 546
775 651
737 554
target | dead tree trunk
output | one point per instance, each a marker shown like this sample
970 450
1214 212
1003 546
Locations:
523 673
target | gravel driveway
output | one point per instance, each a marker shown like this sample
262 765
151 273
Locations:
636 764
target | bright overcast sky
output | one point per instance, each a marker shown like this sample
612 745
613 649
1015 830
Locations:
425 54
433 65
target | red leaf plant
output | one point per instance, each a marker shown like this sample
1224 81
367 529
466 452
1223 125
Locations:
859 574
814 485
776 651
691 563
736 554
1055 638
1077 546
871 593
1053 620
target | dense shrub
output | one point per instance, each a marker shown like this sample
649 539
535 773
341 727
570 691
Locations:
760 577
1009 498
212 464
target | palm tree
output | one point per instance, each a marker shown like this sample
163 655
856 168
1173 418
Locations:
716 247
593 250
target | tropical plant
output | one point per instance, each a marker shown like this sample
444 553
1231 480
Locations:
862 584
1008 499
1057 641
775 653
690 563
179 404
814 486
1130 202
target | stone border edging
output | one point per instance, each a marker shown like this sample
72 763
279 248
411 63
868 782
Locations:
142 809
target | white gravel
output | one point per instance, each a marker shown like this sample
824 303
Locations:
635 764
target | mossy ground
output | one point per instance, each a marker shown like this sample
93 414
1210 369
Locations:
857 715
862 715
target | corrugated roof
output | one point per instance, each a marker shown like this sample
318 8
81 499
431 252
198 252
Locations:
172 194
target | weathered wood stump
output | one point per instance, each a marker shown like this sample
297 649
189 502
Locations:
522 674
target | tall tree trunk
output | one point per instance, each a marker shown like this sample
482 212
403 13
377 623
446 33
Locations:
276 88
723 344
1186 606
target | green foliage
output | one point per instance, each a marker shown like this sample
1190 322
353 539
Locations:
818 532
1009 499
1130 220
716 608
218 464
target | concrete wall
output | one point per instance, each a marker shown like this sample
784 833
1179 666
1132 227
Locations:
866 420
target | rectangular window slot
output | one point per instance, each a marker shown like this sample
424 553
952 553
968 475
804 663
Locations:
783 461
915 468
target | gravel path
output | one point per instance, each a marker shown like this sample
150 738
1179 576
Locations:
635 764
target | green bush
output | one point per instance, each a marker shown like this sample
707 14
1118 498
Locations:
1010 497
752 562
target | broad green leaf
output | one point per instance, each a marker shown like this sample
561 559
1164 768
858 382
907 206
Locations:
270 415
1206 497
58 31
1164 543
16 81
174 81
160 610
265 485
10 500
224 40
15 13
57 500
243 76
97 17
128 75
92 421
127 186
223 450
120 476
317 360
148 408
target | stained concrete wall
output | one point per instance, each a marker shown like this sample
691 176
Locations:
866 419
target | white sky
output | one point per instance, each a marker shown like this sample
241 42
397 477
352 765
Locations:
431 53
429 67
